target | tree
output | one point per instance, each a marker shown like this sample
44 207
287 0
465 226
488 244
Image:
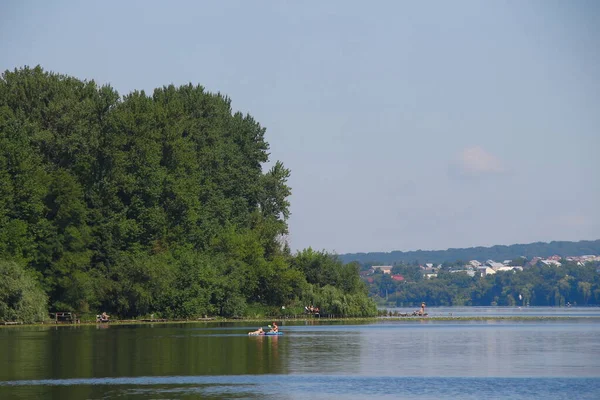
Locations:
585 288
150 203
21 297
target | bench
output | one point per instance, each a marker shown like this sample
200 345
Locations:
65 318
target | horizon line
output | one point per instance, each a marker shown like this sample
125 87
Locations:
472 247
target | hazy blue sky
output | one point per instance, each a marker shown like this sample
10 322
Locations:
406 124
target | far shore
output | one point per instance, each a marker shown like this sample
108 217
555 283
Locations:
267 320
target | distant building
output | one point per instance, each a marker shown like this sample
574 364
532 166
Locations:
386 269
551 262
534 261
474 263
581 260
429 270
398 278
493 264
485 271
506 268
469 272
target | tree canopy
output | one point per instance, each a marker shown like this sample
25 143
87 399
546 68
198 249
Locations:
147 202
537 285
21 298
498 253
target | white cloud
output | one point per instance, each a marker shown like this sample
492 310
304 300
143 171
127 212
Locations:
474 161
573 220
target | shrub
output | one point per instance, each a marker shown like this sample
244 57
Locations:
21 297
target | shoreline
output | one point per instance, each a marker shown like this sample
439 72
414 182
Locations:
410 319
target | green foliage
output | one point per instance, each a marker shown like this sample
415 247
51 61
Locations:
536 285
21 298
335 288
412 273
148 204
512 252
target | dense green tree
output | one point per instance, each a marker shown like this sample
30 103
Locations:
21 298
513 252
410 272
334 287
150 203
537 285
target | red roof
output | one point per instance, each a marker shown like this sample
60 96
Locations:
398 278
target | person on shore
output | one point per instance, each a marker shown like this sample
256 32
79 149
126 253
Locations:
422 310
104 317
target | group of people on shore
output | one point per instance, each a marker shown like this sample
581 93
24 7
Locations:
273 329
421 312
104 317
312 310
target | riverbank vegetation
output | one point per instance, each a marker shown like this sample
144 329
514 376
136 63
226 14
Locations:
148 203
537 285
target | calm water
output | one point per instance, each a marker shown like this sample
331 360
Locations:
389 359
505 311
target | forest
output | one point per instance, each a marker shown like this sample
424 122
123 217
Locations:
498 253
535 285
164 203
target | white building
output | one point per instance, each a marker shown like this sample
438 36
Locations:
386 269
493 264
469 272
484 271
506 268
552 262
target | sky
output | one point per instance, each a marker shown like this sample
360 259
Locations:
406 125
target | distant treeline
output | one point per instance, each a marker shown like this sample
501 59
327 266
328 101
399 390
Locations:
497 253
537 285
148 203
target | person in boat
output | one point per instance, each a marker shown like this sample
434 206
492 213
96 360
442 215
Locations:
422 310
274 328
259 331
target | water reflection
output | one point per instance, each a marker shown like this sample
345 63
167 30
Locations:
71 362
504 311
305 387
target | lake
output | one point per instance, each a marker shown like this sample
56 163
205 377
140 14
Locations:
486 311
385 359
